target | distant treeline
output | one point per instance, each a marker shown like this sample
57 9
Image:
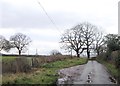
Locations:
31 55
23 55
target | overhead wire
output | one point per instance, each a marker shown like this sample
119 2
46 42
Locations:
51 20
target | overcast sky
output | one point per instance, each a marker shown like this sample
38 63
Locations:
27 17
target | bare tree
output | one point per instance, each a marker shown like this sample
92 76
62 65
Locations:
99 42
73 39
4 44
20 42
80 38
88 32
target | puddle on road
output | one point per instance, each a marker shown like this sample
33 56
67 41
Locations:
88 81
89 78
112 80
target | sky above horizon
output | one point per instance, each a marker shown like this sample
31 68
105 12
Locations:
27 17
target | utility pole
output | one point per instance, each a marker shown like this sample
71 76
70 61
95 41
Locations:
36 52
28 51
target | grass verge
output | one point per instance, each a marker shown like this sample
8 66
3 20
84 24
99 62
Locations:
47 74
111 68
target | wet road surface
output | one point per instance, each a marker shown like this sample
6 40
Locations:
92 73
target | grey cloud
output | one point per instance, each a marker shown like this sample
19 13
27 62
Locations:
31 18
24 19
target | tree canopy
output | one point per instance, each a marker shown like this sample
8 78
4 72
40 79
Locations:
20 42
80 38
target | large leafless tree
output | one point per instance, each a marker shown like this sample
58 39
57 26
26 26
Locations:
80 38
20 42
88 31
73 39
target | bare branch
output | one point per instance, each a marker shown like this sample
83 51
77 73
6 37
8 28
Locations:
20 41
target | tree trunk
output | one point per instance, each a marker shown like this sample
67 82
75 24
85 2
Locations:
19 52
77 52
88 53
98 53
78 55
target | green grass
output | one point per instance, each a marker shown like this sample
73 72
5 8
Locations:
65 63
111 67
8 58
47 74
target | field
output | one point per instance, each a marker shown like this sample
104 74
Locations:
45 74
8 58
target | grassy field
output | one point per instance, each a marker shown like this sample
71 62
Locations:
47 74
8 58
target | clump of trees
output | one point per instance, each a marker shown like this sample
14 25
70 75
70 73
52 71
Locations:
19 41
113 44
55 52
84 36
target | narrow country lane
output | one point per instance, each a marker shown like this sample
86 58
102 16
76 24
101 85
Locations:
92 73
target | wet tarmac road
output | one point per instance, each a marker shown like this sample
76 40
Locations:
93 73
90 73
